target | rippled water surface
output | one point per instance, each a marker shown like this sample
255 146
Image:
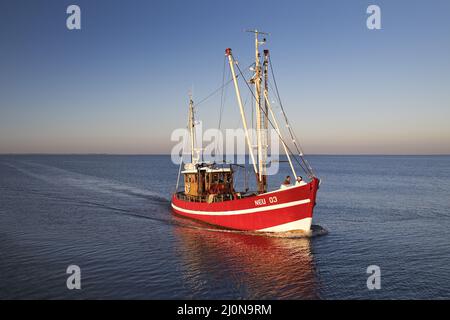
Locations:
110 215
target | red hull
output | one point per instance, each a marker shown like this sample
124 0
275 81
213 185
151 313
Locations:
277 211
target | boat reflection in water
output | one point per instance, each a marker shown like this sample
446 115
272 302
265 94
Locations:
226 265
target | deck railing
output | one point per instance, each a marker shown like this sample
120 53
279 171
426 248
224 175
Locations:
207 198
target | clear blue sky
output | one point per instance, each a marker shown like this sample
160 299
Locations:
120 84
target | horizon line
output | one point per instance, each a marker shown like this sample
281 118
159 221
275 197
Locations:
168 154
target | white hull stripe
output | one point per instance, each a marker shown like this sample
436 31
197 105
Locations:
243 211
303 225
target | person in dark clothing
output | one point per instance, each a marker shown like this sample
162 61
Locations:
287 182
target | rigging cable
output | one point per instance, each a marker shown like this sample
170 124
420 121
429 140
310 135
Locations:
308 172
214 92
291 133
221 88
222 96
222 104
179 173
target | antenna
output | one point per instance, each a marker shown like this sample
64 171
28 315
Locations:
259 32
191 92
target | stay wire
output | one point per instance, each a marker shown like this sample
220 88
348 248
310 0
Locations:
291 133
270 121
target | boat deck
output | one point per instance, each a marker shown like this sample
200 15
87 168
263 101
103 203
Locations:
213 198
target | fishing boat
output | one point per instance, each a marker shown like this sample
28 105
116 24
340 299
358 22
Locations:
210 195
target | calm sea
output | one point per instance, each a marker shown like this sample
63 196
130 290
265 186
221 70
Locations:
110 215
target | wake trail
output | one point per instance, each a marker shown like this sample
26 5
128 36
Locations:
57 176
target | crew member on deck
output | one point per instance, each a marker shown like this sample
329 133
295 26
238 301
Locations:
300 181
286 183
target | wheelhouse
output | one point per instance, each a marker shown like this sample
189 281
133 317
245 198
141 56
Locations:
206 182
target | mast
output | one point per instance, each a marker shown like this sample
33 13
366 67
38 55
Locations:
241 107
261 117
266 89
191 125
